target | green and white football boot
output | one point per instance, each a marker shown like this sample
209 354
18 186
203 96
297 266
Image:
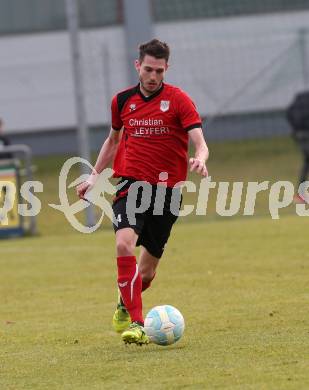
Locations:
135 334
121 318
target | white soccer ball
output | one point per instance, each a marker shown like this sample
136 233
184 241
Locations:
164 325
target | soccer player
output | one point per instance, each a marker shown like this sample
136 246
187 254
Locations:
148 142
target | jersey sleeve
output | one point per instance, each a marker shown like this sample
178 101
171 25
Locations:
116 119
188 115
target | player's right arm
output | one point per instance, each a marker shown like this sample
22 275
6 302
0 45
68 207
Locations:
105 157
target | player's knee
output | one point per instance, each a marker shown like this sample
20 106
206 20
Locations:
124 248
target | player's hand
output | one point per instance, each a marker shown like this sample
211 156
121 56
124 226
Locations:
82 188
198 166
85 186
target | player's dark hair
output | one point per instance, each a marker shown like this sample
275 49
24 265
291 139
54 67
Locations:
154 48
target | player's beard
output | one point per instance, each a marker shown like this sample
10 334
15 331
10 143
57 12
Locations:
150 91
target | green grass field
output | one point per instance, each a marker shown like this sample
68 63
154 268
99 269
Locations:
241 284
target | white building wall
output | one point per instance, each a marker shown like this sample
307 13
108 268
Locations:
227 65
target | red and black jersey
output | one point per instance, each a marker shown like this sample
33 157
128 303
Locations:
155 133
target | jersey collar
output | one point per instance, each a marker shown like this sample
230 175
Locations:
150 97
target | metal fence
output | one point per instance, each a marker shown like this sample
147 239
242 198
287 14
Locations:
241 61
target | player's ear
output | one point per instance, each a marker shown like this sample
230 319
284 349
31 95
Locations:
137 65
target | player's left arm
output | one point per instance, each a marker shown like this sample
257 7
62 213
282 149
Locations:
198 162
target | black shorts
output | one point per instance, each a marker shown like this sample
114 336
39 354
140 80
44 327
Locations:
153 230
